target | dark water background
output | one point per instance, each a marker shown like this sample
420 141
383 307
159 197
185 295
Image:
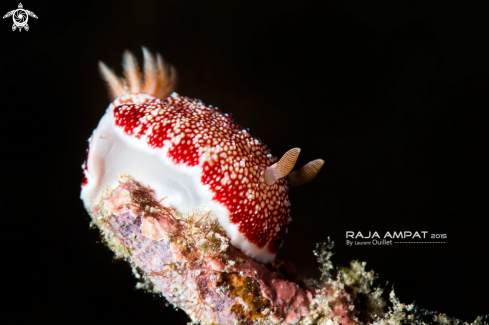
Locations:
391 94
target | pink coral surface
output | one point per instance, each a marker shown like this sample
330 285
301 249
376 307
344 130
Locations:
190 261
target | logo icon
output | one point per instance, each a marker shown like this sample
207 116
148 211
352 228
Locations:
20 17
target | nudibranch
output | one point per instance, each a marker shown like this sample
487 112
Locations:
192 155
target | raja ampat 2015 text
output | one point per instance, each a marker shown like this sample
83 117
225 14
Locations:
388 234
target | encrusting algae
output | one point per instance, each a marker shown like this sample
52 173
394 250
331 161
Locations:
253 306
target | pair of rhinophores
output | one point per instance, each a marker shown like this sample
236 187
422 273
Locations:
193 155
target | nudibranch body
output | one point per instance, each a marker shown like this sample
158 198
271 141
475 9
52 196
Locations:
194 156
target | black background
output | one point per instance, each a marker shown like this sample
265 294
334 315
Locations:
391 94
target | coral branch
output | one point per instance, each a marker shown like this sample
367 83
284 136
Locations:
189 260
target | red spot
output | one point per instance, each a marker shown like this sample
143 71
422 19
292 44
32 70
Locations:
185 152
84 181
233 166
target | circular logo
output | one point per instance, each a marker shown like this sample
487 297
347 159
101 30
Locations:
20 17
